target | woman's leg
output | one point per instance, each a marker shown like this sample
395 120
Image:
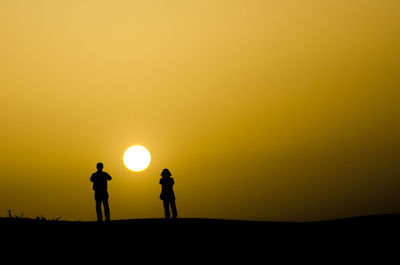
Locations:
173 209
166 209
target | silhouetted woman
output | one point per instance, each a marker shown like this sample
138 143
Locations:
167 193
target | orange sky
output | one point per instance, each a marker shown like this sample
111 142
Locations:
262 110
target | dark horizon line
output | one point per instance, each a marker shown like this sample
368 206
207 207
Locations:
193 220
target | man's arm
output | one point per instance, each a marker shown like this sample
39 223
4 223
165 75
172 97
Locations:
92 178
109 177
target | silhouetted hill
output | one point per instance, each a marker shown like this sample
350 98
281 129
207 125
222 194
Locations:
200 238
203 227
196 222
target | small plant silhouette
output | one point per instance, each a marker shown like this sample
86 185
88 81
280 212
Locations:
16 216
21 217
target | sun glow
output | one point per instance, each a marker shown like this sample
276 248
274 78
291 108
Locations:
137 158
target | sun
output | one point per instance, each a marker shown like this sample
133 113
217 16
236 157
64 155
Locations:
137 158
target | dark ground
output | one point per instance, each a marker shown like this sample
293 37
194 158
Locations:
203 238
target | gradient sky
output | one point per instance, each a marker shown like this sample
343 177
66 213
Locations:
262 110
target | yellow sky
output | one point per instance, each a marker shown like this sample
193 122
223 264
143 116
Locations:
263 110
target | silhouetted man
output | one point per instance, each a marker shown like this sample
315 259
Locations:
99 180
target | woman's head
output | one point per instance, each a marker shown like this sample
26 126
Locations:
165 173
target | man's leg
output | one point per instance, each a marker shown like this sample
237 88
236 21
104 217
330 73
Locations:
106 209
173 209
166 209
98 210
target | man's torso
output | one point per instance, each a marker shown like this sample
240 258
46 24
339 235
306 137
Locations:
100 181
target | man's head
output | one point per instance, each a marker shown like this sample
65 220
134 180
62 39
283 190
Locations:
99 166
